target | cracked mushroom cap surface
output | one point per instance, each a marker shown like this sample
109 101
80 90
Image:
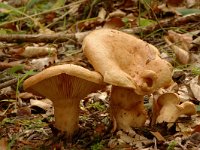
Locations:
64 81
126 61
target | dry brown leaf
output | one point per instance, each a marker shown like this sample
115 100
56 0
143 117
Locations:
184 128
25 95
181 55
24 111
195 87
102 13
158 136
114 23
117 13
41 63
43 104
35 51
184 41
184 93
124 137
196 41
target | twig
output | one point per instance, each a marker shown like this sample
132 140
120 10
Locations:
6 79
8 83
57 38
174 22
4 65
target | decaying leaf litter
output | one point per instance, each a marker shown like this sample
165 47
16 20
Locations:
27 120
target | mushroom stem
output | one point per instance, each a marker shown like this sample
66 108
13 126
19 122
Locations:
67 116
126 108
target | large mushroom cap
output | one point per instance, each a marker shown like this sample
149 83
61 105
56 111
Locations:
69 69
126 61
62 76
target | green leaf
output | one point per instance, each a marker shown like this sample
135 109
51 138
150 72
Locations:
198 108
14 69
146 22
188 11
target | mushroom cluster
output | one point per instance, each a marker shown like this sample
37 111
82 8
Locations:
133 67
65 85
169 108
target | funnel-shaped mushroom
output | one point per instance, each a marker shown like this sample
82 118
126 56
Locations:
130 63
170 109
65 85
127 61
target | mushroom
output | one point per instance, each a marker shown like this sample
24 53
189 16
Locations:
126 109
65 85
170 108
132 66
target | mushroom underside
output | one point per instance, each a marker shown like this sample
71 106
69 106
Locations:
65 91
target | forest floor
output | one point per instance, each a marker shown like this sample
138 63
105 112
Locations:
27 120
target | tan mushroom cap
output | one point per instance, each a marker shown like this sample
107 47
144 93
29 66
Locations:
126 61
69 69
170 109
188 108
63 81
165 98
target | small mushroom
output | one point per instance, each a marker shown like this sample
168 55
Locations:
132 66
170 108
65 85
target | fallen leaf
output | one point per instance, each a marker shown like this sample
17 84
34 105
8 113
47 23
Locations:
181 55
25 95
24 111
195 87
41 63
124 137
184 41
35 51
43 104
114 23
102 13
158 136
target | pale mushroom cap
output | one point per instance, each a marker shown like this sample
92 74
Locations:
122 59
69 69
188 108
64 81
168 98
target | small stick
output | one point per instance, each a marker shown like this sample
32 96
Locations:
8 83
60 37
